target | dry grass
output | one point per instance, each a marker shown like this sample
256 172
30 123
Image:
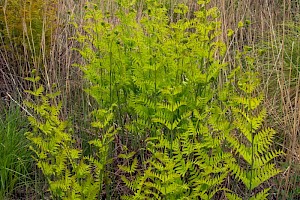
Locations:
270 34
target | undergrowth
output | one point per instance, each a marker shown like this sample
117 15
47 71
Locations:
182 121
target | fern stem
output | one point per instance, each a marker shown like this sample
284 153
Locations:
110 75
120 113
252 150
172 132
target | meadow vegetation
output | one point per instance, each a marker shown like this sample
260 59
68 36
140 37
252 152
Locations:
149 99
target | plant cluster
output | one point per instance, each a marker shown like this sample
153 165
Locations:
161 81
69 173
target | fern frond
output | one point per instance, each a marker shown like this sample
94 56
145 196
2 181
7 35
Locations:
126 156
182 166
214 70
37 93
232 196
254 177
82 169
241 149
263 139
128 183
264 158
244 127
256 122
131 168
172 107
262 174
262 195
161 142
248 82
250 103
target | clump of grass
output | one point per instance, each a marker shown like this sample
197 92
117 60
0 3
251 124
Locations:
282 81
15 158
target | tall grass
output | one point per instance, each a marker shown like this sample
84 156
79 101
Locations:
15 160
280 64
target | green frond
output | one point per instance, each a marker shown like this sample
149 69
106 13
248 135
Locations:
128 183
245 128
167 122
155 143
256 122
126 197
241 149
74 153
240 174
265 158
262 174
172 107
209 182
232 196
250 103
37 93
82 169
97 163
48 169
104 117
33 79
134 165
131 168
141 110
126 156
53 95
164 178
182 166
263 139
98 143
142 106
169 125
29 105
248 82
254 177
200 116
262 195
238 113
157 166
214 70
164 79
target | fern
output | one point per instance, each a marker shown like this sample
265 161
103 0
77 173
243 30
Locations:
160 81
188 172
254 143
52 144
70 175
129 169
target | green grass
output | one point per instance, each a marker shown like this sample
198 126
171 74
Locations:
15 157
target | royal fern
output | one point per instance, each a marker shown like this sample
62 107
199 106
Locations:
249 139
70 175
